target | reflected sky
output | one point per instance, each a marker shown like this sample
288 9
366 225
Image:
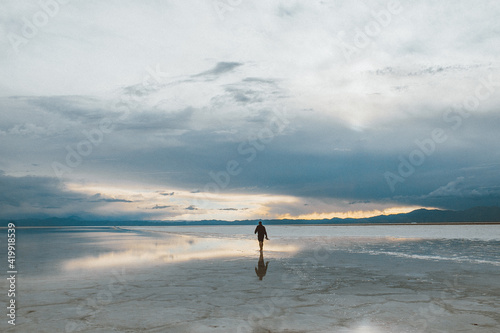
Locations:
172 249
123 248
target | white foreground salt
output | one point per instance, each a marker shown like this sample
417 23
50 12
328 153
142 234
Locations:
213 279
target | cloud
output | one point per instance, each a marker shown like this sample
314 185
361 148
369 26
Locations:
81 109
28 129
99 198
31 196
42 197
253 90
160 207
180 112
220 68
432 70
453 188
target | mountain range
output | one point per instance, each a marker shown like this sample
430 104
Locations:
419 216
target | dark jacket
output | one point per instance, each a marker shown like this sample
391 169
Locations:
261 232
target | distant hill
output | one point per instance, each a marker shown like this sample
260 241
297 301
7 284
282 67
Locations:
476 214
472 215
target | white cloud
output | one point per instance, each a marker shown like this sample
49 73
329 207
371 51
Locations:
28 129
453 188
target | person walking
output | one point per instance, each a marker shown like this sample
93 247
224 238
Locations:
260 230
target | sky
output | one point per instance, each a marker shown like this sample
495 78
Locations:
235 109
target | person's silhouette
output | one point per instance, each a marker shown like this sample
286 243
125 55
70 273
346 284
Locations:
260 230
261 268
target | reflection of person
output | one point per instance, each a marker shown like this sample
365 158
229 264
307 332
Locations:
261 269
261 232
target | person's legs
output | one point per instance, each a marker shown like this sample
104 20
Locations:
261 244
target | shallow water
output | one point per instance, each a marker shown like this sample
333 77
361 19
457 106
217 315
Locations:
213 279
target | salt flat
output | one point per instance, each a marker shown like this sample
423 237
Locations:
213 279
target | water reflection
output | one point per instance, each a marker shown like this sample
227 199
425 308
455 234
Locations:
142 252
261 268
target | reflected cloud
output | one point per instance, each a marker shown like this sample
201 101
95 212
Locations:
174 249
364 327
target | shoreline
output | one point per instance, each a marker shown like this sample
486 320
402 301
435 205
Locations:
284 224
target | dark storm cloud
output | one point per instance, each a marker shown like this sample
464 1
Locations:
41 191
346 164
315 157
41 197
30 196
